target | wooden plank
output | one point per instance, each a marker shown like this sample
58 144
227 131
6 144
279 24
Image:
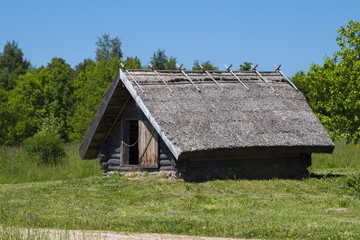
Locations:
286 78
117 118
188 78
148 146
124 150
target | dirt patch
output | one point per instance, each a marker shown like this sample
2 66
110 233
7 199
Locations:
105 235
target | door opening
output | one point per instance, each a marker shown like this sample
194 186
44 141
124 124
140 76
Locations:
133 139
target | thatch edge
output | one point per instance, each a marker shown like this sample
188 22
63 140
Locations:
148 115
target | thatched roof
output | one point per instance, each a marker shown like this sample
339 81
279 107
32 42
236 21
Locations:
229 117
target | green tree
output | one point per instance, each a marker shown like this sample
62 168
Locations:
333 89
159 60
81 67
8 117
246 66
40 94
207 65
12 64
171 64
133 63
108 48
299 79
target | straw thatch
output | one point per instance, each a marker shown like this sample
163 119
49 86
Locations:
221 120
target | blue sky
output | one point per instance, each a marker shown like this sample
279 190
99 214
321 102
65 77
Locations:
294 33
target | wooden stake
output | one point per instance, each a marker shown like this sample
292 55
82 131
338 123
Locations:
228 69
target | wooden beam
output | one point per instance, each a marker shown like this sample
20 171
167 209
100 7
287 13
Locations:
117 118
261 77
288 80
211 77
232 73
187 77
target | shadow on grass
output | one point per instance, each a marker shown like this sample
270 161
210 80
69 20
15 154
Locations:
327 175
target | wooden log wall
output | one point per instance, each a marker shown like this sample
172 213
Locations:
166 159
292 166
111 150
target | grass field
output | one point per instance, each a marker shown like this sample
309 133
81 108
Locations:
17 167
326 206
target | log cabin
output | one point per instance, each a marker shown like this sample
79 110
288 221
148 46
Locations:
205 125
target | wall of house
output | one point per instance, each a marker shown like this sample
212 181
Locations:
294 166
112 149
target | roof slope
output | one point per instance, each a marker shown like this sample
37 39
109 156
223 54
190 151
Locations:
229 116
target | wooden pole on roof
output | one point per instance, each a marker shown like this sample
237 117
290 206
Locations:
277 69
261 77
211 77
187 77
232 73
158 77
122 65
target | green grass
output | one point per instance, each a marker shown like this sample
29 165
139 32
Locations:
274 209
345 157
17 167
325 207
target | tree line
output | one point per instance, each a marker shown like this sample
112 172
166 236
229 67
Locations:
60 99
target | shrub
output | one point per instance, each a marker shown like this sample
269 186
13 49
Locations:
354 182
45 148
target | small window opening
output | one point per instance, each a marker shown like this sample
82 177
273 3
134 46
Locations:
133 138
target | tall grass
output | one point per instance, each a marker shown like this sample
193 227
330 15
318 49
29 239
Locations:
345 156
17 167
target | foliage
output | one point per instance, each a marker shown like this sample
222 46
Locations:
246 66
45 148
108 48
160 61
133 63
207 65
81 67
332 89
12 64
354 182
39 94
298 80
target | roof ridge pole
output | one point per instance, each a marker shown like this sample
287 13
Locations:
137 84
211 77
232 73
277 69
261 77
158 77
187 77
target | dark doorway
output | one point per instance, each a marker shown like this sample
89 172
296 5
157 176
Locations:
133 140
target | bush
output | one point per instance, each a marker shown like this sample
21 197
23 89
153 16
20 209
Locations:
45 148
354 182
